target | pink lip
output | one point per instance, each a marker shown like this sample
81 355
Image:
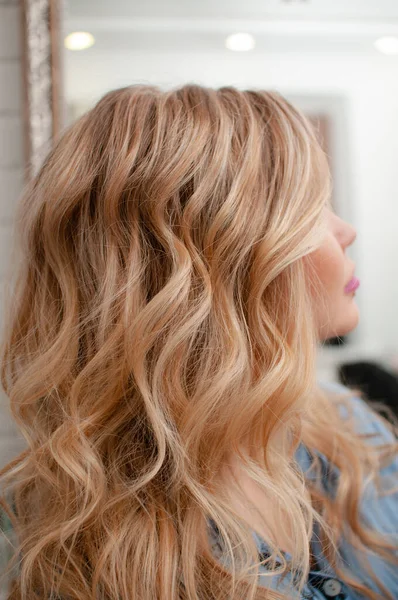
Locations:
352 285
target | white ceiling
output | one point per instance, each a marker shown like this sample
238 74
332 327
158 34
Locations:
241 9
330 26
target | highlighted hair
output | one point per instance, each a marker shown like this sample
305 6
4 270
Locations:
161 315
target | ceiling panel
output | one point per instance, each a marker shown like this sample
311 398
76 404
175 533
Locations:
314 9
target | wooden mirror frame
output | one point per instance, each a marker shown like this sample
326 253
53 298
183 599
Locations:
42 79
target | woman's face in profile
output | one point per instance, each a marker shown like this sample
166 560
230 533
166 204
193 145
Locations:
339 313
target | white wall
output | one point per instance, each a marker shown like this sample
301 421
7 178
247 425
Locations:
368 85
11 174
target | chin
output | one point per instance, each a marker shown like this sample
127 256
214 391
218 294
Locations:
346 323
350 321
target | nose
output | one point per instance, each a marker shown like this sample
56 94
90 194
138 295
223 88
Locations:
351 235
348 233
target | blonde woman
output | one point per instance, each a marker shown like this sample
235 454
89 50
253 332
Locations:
180 264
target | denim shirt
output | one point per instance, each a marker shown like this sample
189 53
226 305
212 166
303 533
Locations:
379 512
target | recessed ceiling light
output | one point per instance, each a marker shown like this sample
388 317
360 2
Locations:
240 42
79 40
387 45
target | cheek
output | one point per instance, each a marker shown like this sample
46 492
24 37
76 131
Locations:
328 265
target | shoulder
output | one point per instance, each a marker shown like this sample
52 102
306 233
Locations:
376 431
379 497
365 420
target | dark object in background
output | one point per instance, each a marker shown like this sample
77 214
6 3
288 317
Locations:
376 382
335 341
